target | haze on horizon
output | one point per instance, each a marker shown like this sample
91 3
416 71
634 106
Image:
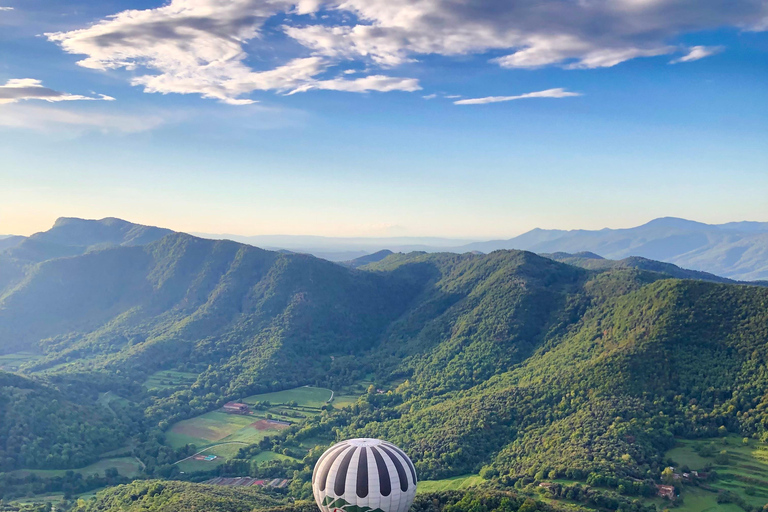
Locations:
378 118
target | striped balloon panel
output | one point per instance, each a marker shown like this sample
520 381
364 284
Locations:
364 473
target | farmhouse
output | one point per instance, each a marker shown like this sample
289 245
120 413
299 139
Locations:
666 491
236 407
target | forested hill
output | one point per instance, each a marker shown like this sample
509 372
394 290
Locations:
594 262
508 363
41 428
69 237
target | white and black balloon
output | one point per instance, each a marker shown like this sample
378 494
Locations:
364 475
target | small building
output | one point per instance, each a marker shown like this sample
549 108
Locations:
666 491
236 407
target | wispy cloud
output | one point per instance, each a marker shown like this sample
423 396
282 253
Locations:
51 119
698 52
30 89
378 83
6 8
549 93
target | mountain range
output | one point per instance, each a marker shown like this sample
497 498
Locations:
736 250
510 365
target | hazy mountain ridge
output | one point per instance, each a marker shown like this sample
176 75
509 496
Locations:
72 236
737 250
593 261
8 241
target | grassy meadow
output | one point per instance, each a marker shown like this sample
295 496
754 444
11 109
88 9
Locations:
14 362
127 466
170 379
741 467
449 484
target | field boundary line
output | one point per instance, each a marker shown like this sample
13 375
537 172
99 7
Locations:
212 446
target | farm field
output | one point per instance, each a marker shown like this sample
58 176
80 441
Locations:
126 466
267 456
449 484
215 428
743 470
219 427
12 362
305 396
169 379
345 400
222 434
222 452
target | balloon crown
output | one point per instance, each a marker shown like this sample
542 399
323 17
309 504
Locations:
364 475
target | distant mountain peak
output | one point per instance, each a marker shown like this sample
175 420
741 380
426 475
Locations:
70 236
674 222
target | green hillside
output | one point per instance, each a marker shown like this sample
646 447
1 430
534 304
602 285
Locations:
170 496
41 428
510 365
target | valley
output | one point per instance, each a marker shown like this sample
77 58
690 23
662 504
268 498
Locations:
496 373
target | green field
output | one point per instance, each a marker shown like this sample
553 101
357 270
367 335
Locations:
746 467
449 484
305 396
13 362
170 379
223 453
267 456
341 401
126 466
699 500
216 427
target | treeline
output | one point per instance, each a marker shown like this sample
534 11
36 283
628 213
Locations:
70 484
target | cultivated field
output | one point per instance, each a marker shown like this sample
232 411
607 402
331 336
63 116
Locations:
305 397
219 427
222 434
449 484
169 379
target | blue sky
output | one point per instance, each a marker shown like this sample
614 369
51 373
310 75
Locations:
341 117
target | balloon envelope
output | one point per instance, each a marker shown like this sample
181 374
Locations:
364 475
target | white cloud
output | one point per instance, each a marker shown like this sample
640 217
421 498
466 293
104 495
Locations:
205 46
698 52
430 96
6 8
576 34
30 89
39 118
379 83
197 48
549 93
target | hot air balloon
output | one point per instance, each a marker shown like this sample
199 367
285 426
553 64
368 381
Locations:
364 475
